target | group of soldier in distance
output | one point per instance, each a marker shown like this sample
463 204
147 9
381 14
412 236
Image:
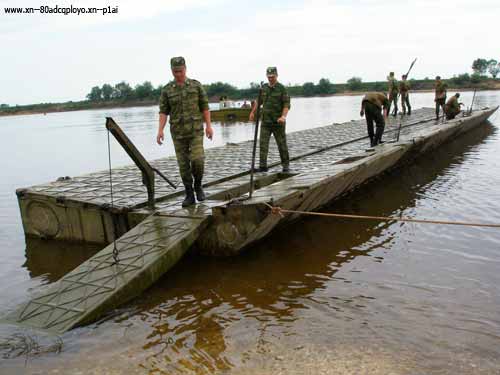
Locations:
376 106
186 102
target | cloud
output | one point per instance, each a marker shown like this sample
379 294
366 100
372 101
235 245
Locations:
234 41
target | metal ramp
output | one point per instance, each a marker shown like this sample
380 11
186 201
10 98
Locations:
145 253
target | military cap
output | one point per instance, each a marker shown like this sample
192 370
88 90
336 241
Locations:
177 62
272 71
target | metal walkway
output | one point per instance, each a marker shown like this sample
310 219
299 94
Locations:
98 285
220 163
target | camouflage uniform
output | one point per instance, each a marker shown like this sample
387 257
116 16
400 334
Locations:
185 105
274 99
404 88
452 108
440 95
372 104
393 94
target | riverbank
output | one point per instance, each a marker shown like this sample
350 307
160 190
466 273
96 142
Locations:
73 106
87 105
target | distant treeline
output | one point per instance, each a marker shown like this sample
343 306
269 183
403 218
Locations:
124 95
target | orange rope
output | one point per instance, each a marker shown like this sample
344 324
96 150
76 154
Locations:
280 211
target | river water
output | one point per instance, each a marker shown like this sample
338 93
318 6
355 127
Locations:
320 296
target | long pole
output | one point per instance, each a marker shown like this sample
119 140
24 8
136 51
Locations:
254 151
473 97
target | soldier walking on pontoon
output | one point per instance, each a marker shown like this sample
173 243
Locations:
275 107
372 106
404 90
186 102
440 95
392 93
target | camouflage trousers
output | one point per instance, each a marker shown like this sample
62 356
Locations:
451 113
279 133
440 103
393 98
374 114
190 158
405 103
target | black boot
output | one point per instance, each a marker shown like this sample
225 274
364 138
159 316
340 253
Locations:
409 111
372 141
189 200
200 194
378 135
198 168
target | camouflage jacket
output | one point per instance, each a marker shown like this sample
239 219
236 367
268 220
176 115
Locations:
440 89
184 104
392 85
376 98
404 87
452 105
274 99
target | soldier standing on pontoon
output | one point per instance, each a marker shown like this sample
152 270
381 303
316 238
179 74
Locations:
275 107
440 95
392 93
404 89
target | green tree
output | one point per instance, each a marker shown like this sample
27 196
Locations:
479 66
123 91
475 78
355 83
461 79
221 89
3 106
95 94
309 89
144 91
380 86
325 86
493 68
107 91
157 91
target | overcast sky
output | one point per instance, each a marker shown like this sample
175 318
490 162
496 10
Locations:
51 58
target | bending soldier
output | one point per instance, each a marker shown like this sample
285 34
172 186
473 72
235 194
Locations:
393 93
372 105
452 107
440 95
275 107
404 89
186 102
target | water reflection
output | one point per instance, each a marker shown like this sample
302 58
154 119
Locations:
196 312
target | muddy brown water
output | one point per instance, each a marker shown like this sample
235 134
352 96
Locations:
318 296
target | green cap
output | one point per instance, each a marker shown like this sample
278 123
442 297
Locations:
272 71
177 62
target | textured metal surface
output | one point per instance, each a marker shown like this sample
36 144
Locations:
221 162
99 284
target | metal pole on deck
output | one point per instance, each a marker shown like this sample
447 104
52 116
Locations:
254 151
473 97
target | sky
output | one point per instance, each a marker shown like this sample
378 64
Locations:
56 58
